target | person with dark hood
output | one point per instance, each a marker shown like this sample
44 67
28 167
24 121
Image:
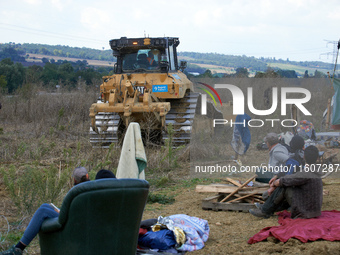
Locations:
104 174
296 155
294 161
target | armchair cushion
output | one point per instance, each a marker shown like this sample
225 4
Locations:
50 225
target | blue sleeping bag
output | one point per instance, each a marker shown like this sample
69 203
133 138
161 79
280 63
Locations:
163 240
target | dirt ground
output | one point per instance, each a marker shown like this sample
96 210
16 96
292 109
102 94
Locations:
229 231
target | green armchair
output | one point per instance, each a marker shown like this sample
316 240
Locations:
97 218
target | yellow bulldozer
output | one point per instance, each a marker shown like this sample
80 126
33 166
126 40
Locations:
148 87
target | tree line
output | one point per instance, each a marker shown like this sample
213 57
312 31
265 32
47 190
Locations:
50 76
51 73
252 63
58 50
242 72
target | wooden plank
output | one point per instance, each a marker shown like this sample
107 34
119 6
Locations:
250 200
252 190
244 184
256 184
234 182
215 188
211 198
225 188
239 198
216 206
261 184
256 200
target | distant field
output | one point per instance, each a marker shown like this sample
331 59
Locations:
299 69
217 69
214 68
38 58
185 58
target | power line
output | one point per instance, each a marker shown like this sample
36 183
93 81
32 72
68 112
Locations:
47 33
336 45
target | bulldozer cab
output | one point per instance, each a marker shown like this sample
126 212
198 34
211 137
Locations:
142 59
145 55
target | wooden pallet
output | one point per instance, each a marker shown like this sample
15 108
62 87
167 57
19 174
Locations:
232 197
212 203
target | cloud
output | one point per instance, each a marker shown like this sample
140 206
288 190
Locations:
58 4
201 17
95 19
230 27
34 2
334 14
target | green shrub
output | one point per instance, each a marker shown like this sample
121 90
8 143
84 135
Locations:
33 186
162 182
161 199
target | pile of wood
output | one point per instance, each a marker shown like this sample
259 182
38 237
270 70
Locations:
235 196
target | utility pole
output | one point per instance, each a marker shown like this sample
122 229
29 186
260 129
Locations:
333 53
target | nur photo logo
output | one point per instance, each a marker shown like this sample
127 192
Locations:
204 97
288 96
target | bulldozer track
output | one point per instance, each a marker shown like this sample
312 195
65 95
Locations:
107 124
181 116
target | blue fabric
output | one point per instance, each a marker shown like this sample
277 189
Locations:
241 134
196 231
293 165
163 239
45 211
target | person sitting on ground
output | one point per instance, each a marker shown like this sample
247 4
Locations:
302 191
45 211
292 164
278 155
296 157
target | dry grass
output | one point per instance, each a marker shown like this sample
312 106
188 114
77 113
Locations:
53 128
50 131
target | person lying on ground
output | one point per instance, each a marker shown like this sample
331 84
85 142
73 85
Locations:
301 191
45 211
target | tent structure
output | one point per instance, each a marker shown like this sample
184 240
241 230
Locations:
332 113
336 103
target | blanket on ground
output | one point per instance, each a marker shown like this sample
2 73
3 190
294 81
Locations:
196 231
326 227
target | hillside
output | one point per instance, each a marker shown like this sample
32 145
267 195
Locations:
231 62
197 62
38 58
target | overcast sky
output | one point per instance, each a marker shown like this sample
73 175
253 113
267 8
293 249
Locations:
294 29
